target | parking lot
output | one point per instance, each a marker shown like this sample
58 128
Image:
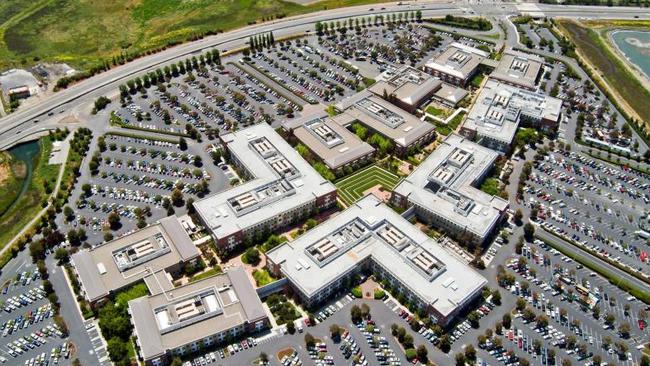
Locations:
568 310
136 178
591 203
29 335
595 120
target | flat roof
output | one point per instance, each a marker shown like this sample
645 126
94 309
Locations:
458 60
518 68
370 229
179 316
382 116
330 141
499 108
282 180
407 84
444 183
128 259
451 93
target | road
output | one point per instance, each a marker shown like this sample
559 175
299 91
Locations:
20 125
31 122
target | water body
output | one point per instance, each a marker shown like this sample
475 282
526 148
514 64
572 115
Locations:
635 45
26 152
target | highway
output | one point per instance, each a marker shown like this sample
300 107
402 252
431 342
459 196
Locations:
30 122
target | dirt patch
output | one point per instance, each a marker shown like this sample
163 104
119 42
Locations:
5 172
285 353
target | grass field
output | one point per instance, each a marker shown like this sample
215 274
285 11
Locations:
12 177
610 67
29 204
351 188
83 33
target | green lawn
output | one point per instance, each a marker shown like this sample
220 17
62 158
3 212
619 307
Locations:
351 188
85 33
12 172
262 277
131 293
446 129
610 67
206 274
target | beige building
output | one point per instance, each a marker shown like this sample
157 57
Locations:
105 269
457 64
332 143
443 190
282 188
189 318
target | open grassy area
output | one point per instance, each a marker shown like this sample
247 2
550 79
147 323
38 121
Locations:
12 176
262 277
30 203
86 33
209 273
446 129
351 188
610 67
138 290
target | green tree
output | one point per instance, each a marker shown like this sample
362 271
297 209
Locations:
470 353
460 359
310 341
117 349
114 220
252 256
529 231
61 255
422 353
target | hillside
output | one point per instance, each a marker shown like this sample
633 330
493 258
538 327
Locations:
85 33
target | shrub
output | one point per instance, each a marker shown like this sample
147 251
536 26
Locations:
410 354
379 294
356 292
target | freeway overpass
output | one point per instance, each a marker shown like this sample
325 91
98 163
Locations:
36 120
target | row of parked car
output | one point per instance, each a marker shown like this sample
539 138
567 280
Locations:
24 299
231 349
24 321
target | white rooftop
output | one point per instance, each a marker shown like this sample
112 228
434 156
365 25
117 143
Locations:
444 183
282 180
369 228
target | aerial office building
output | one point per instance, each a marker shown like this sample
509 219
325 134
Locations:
518 69
500 109
407 87
103 270
200 314
282 188
337 147
443 190
457 64
371 236
381 116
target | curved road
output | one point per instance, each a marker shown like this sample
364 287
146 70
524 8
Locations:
25 123
30 122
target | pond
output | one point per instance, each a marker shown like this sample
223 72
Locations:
25 152
635 45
